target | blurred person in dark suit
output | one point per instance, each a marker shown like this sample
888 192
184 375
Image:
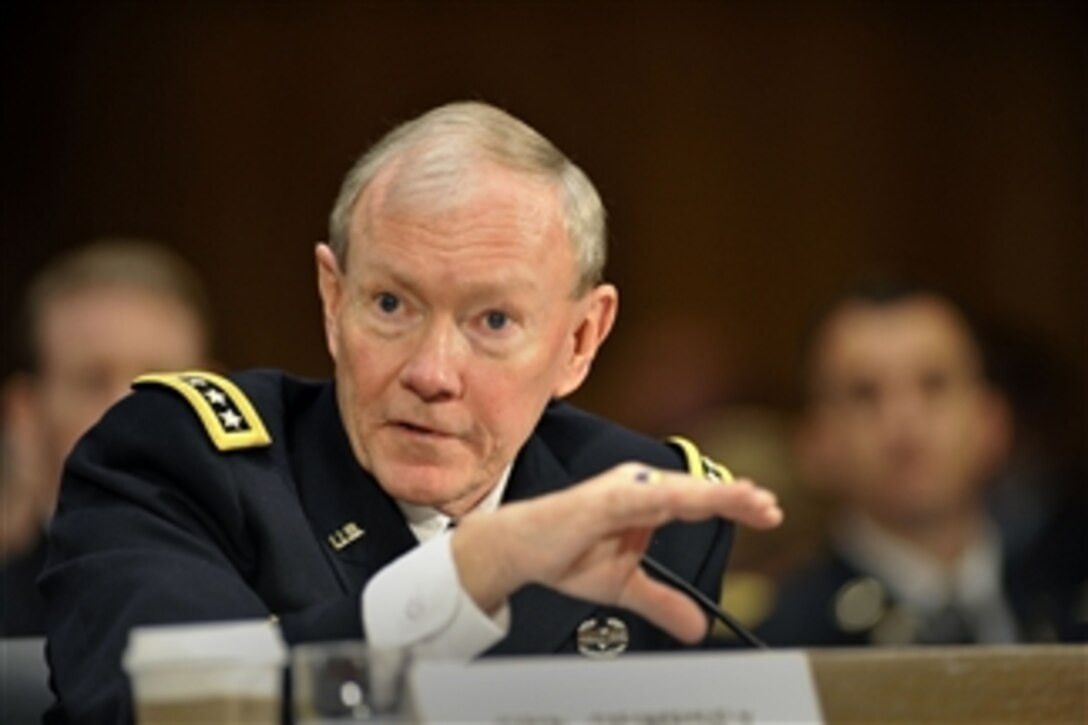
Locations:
906 431
93 319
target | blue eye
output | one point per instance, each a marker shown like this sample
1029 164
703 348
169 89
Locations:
389 303
497 320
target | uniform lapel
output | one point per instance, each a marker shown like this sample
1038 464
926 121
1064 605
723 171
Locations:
335 492
542 620
357 525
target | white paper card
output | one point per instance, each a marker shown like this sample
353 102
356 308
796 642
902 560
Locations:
689 688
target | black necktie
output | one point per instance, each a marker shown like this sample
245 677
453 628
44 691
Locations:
947 625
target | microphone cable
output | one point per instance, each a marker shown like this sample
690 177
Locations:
710 606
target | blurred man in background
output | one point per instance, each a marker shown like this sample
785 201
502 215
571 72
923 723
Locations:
93 320
905 430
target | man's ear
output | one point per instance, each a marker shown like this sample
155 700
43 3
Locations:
995 429
25 498
599 315
330 287
23 450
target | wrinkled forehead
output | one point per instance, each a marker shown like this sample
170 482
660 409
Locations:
447 195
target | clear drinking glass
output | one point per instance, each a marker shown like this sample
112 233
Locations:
337 682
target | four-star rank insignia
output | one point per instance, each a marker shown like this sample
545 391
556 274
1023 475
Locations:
228 417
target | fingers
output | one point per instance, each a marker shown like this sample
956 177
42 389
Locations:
587 540
638 495
754 506
665 607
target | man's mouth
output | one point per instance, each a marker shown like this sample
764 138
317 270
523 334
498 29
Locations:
421 430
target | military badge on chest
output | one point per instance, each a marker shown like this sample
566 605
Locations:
602 637
863 606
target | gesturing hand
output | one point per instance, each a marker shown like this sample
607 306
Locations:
588 540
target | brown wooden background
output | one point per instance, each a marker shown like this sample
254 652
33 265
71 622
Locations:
754 156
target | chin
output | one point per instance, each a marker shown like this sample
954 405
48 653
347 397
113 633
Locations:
916 509
422 485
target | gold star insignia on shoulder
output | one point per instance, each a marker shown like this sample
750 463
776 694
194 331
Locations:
228 416
699 465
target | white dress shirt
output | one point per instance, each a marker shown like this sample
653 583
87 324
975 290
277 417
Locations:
418 602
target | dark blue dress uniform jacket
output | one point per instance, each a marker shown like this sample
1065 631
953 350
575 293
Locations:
155 525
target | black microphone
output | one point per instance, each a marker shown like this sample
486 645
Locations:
709 605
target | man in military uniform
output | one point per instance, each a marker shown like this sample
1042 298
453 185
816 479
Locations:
905 430
462 298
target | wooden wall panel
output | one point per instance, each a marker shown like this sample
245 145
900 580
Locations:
754 156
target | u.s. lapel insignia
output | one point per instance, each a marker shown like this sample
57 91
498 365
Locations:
345 535
602 639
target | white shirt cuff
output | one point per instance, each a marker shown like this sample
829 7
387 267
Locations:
418 602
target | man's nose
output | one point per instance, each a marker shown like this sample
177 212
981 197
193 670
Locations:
433 370
903 409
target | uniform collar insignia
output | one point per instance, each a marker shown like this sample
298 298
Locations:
345 536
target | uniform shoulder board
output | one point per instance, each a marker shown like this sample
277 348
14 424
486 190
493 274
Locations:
227 414
699 465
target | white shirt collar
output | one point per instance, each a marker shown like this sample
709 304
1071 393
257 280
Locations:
427 522
917 578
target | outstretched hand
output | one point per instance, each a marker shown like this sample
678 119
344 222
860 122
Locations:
588 541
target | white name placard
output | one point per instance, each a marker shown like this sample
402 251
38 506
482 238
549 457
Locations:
689 688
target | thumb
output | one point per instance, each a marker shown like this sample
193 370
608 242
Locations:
665 607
